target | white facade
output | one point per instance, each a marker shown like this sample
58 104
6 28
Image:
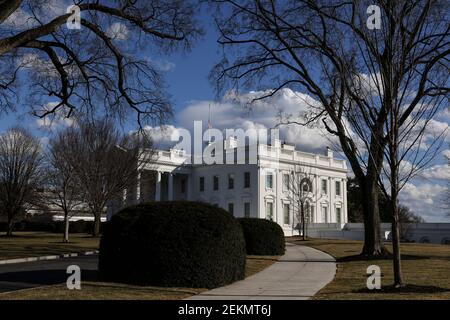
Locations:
170 176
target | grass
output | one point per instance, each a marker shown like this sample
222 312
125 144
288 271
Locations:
101 291
27 244
32 244
256 264
426 271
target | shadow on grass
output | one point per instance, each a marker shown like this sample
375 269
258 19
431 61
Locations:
360 257
410 288
13 236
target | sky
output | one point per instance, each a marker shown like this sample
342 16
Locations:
192 94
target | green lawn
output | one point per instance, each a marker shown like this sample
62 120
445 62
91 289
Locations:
426 271
26 244
32 244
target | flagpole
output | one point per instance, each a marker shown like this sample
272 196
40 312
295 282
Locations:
209 124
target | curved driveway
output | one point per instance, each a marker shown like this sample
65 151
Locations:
26 275
298 275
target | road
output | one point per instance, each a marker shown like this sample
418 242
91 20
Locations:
35 274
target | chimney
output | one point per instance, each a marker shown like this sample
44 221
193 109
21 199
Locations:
276 143
329 153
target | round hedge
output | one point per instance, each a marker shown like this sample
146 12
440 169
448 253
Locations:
172 244
263 237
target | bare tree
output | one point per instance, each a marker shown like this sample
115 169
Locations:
20 173
331 50
63 190
105 162
446 195
302 197
101 65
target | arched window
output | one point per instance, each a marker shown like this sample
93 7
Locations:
306 185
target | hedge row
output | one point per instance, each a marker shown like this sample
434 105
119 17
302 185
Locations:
263 237
79 226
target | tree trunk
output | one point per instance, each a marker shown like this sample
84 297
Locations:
303 222
66 228
97 222
10 227
373 244
398 279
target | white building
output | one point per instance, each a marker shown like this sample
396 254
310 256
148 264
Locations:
258 188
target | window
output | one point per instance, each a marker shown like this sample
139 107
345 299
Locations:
247 180
269 181
231 207
286 213
216 183
231 181
324 214
309 213
306 185
338 215
338 188
202 183
247 209
286 182
183 185
269 210
324 187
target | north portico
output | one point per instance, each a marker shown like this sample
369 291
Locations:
256 188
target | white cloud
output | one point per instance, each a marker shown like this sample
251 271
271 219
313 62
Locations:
35 63
446 153
20 19
439 171
161 135
444 115
370 84
425 199
118 31
43 12
166 65
234 112
55 120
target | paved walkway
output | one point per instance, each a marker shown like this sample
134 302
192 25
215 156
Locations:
298 275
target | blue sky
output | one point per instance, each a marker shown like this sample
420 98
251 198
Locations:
187 78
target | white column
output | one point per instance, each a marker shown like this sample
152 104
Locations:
278 196
344 204
158 186
138 187
170 196
332 199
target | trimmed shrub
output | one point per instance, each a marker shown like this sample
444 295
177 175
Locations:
172 244
79 226
262 237
25 225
